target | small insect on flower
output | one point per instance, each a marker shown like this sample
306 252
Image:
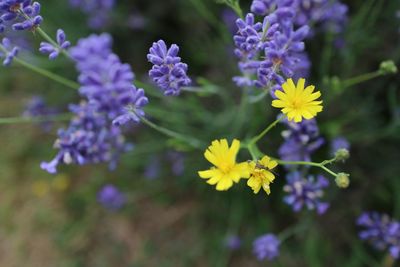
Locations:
298 102
225 170
261 175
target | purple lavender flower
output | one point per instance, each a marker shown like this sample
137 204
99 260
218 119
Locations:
37 107
232 242
21 14
229 18
111 198
331 14
268 52
177 161
133 111
266 247
54 51
301 140
89 139
168 72
381 231
106 82
339 143
305 192
136 21
8 51
153 168
98 11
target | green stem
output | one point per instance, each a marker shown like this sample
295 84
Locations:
195 143
252 152
307 163
43 72
236 7
361 78
257 138
38 119
50 40
46 36
48 74
291 231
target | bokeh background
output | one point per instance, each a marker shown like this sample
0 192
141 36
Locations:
172 220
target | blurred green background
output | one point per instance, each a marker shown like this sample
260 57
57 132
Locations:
181 221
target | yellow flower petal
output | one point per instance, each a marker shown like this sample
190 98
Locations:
298 102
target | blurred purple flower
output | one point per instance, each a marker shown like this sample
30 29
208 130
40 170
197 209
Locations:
266 247
177 161
229 17
305 192
331 14
111 198
301 140
8 51
36 107
136 21
97 10
233 242
339 143
153 168
381 231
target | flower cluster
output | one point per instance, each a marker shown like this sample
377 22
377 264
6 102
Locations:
226 171
52 50
271 51
266 247
37 107
168 72
339 143
301 140
332 15
93 135
106 82
381 231
8 51
233 242
305 192
111 198
21 14
98 11
261 175
89 139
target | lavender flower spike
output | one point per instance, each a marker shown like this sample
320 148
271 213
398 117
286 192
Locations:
305 192
168 72
111 198
266 247
22 14
381 231
8 52
134 111
54 51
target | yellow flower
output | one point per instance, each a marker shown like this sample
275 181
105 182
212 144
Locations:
260 174
296 102
226 170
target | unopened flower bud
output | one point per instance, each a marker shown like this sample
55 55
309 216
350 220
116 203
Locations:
342 154
387 67
342 180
